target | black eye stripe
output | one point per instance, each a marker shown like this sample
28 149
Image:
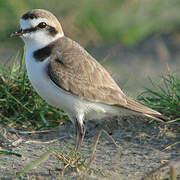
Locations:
51 30
30 30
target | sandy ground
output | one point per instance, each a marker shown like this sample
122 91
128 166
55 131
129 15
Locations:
142 149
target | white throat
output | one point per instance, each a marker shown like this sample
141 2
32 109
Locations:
39 40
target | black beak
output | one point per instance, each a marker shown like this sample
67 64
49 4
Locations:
17 33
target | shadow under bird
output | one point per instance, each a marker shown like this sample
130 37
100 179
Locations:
65 75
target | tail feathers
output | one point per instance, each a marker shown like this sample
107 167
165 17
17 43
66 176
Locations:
139 108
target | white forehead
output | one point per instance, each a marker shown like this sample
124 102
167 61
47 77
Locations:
29 23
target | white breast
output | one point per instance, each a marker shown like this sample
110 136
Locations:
37 74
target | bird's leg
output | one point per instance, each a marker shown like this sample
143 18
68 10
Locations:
80 132
77 132
94 148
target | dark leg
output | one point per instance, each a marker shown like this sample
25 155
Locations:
80 132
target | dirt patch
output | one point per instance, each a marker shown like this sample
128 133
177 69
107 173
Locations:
142 149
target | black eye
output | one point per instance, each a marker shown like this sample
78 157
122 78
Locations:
42 25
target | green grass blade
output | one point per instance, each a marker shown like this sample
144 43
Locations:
10 153
35 163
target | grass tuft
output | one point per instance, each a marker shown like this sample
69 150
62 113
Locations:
20 106
77 161
164 97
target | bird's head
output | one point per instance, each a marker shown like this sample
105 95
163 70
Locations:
38 28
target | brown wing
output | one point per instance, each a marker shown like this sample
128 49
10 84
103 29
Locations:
74 70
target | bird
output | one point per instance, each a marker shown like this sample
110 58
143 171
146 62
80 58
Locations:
66 76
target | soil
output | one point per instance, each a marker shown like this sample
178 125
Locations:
142 148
